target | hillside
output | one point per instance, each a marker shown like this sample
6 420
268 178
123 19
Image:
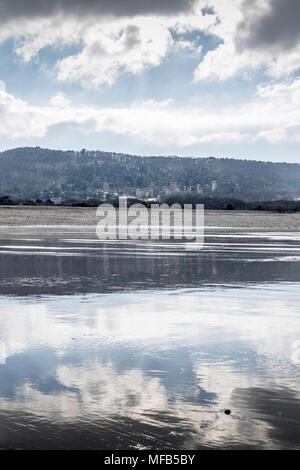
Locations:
33 173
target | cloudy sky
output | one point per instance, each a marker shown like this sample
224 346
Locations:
185 77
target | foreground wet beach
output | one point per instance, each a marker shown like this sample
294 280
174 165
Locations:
144 345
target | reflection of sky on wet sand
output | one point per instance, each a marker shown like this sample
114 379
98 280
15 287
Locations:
70 260
151 369
120 345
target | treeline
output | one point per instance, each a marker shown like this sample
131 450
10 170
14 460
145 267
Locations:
281 206
232 204
90 202
32 173
11 201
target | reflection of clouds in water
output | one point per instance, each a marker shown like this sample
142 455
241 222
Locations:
29 326
265 320
93 389
234 339
127 393
98 393
3 354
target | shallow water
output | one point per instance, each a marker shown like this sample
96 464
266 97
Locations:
122 346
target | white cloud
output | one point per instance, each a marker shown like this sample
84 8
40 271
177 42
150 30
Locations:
114 48
187 46
274 115
111 46
235 55
225 62
220 64
59 100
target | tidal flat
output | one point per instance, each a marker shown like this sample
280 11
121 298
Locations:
144 345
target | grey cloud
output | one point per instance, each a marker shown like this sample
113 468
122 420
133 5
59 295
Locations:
132 33
10 9
276 28
131 39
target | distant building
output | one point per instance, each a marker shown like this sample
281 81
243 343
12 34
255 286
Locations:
144 193
57 200
174 187
139 193
214 185
105 187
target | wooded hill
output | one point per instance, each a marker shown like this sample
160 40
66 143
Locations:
34 173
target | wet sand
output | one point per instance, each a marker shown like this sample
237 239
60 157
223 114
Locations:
138 345
51 216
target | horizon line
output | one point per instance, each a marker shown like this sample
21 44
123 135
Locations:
152 156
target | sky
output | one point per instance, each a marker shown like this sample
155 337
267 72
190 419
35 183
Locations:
162 77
